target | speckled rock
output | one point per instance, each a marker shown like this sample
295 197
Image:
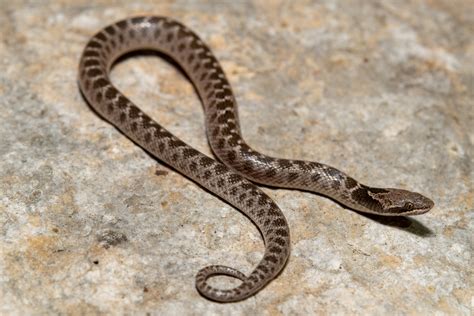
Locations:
91 224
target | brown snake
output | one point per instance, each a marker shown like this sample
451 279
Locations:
225 180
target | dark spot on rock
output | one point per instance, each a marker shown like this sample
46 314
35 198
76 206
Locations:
111 237
161 172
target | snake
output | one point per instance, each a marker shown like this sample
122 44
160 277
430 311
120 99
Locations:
234 178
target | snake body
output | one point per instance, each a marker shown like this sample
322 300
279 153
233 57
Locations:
240 161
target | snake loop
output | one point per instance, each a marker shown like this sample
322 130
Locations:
239 160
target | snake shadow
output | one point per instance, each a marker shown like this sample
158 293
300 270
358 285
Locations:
405 223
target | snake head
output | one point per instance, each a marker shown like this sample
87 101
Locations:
402 202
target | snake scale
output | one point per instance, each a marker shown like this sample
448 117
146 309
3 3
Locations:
240 162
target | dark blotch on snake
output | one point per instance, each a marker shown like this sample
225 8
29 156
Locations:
190 152
122 24
155 20
101 36
281 232
147 137
123 117
91 53
350 183
100 83
221 143
161 147
133 112
279 222
137 20
231 156
95 44
275 250
280 241
174 143
234 178
206 161
316 177
162 133
92 62
361 195
122 102
376 190
111 93
110 30
292 176
270 258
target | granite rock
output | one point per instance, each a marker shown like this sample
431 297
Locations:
91 224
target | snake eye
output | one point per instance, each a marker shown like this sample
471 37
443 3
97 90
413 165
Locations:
409 206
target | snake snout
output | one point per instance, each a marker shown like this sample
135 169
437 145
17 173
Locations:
423 204
416 203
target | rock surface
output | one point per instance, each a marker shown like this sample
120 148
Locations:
90 224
